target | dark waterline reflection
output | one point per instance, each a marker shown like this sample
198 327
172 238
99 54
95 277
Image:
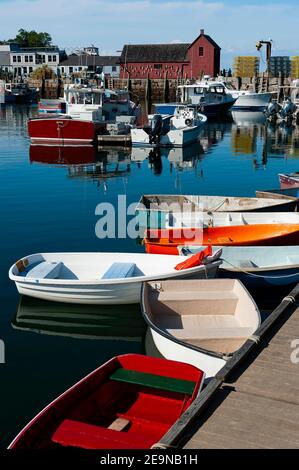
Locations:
48 201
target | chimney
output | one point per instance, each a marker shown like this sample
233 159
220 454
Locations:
202 31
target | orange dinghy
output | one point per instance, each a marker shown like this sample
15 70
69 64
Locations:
166 241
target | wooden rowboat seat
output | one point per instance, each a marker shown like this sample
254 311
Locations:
88 436
154 381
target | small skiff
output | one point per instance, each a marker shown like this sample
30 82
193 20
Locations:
97 278
199 322
228 219
257 266
130 402
166 241
152 208
289 181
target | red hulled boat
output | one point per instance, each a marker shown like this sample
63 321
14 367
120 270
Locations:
130 402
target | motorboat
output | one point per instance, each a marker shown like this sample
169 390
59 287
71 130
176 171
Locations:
207 97
88 111
179 130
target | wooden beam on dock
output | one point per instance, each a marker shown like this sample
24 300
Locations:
123 140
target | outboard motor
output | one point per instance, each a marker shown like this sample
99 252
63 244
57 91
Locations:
155 129
287 109
272 111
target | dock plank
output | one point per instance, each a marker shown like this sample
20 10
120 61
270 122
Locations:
258 407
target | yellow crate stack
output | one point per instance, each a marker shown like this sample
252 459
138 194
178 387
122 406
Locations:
246 66
295 66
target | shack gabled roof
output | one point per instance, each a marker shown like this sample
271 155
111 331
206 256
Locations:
154 53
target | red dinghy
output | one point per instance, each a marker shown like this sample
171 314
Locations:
130 402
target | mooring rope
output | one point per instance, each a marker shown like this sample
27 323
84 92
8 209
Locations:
259 275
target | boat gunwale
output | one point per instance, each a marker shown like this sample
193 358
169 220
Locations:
98 282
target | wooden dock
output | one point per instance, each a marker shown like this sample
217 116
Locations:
253 402
107 139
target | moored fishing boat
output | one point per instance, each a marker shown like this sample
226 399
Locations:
208 98
98 278
289 181
256 266
152 209
199 322
167 241
87 112
129 402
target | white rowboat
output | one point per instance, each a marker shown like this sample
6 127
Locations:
98 278
199 321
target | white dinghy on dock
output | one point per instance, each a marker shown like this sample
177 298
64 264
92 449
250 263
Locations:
199 321
99 278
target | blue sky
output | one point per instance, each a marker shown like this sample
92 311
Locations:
235 25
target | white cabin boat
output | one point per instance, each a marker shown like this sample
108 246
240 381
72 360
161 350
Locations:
98 278
247 100
209 98
199 321
181 129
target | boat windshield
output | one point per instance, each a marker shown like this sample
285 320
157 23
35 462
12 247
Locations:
199 90
216 89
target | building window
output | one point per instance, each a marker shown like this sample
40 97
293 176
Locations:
26 58
201 51
79 68
19 58
31 58
62 69
113 68
44 59
25 69
49 58
71 69
14 58
157 66
30 69
54 58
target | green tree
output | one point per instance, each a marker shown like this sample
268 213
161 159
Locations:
32 39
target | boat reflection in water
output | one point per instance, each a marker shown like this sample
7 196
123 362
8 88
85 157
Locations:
251 135
62 155
79 321
85 162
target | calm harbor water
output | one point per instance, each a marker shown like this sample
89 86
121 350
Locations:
48 200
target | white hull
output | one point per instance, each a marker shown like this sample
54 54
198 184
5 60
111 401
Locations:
68 287
253 101
201 322
169 350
